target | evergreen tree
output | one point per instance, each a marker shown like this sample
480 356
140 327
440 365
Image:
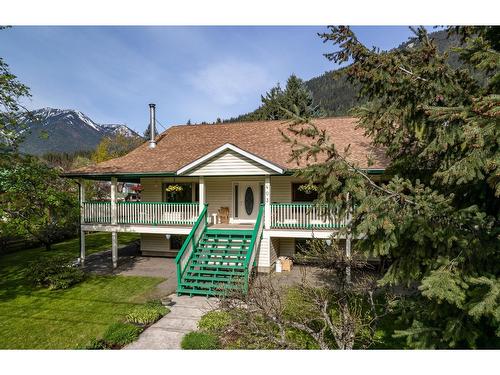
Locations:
282 104
436 217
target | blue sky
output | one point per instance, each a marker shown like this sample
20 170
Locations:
198 73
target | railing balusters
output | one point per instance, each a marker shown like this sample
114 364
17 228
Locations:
152 213
304 216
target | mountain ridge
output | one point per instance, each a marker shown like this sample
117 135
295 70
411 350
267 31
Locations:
64 130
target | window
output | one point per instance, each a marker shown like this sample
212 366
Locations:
235 200
261 194
299 195
185 195
176 241
249 200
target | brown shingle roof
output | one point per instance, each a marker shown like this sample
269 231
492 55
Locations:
181 145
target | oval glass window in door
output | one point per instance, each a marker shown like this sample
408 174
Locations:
249 200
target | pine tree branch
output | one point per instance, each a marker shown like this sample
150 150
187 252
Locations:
412 74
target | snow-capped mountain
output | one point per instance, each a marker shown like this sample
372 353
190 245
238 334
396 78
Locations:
65 130
118 129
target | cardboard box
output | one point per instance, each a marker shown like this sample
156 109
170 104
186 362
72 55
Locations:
286 264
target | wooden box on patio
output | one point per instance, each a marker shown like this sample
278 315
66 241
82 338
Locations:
286 264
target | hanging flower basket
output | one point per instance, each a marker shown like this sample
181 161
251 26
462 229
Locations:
308 188
174 189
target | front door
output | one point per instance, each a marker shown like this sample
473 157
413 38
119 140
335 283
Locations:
248 201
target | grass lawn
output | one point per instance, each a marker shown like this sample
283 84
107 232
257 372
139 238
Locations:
35 318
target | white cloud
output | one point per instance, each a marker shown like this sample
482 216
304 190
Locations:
230 81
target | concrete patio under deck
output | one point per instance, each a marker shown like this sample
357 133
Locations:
132 263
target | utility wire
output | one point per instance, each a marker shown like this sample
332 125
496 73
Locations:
159 123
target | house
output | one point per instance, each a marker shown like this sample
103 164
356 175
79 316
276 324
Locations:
220 198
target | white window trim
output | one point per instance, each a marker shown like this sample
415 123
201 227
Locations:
233 218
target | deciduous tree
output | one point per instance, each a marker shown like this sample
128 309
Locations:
36 202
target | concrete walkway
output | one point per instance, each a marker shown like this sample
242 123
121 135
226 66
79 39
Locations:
167 333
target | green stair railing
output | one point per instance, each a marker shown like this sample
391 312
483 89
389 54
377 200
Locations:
189 245
254 246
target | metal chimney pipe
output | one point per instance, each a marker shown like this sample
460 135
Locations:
152 122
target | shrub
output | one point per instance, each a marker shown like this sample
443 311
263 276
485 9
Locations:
95 344
300 339
200 340
147 313
214 321
55 273
121 334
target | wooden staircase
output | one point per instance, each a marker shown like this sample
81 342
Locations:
218 264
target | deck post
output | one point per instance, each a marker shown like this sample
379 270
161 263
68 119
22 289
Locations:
114 235
348 238
201 182
114 248
267 202
113 201
82 220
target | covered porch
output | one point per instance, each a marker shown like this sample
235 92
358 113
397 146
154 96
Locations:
154 218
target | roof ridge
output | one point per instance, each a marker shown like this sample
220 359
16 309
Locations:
248 122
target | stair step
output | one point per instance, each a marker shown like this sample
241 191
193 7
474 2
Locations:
216 250
217 263
223 244
201 292
219 256
210 286
227 232
231 280
212 272
206 266
204 250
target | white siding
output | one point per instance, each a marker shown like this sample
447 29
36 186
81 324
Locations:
263 256
229 163
151 190
219 189
219 194
154 244
287 247
274 249
281 188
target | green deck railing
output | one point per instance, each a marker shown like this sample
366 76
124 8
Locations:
151 213
157 213
189 245
96 212
304 215
254 246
